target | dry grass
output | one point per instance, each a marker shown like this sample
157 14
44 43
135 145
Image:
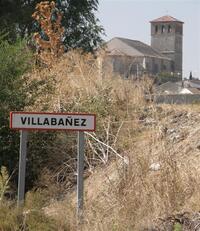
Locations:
80 85
141 195
120 196
135 197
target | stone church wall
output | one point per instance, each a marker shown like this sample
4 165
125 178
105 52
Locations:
133 67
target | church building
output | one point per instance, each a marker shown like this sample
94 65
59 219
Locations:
132 58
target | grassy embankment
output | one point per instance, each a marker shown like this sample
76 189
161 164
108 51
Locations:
139 168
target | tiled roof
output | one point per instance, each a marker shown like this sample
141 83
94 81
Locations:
169 88
194 90
166 18
192 83
132 48
195 81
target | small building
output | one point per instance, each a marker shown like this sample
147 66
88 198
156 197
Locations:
177 88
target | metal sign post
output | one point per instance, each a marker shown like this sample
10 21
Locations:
79 122
80 169
22 167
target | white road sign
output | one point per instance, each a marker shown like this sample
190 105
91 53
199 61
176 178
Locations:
52 121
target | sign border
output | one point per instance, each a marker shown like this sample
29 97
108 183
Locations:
52 113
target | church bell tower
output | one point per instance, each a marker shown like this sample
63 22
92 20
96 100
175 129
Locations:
167 38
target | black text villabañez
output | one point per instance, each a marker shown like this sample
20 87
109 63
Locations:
68 121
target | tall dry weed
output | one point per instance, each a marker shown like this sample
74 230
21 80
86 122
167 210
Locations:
49 39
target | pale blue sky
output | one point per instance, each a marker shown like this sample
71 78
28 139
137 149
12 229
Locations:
130 19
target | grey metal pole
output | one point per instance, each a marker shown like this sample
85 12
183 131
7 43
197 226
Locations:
22 167
80 170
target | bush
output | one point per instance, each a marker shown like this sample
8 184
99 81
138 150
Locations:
167 77
17 92
14 62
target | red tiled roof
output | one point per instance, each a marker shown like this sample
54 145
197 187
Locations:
166 18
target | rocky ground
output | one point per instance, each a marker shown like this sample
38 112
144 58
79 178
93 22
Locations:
180 130
179 222
167 134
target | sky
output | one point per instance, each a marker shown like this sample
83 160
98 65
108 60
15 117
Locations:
130 19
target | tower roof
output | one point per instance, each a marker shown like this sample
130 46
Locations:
166 18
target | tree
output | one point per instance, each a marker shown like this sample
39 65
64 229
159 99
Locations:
81 25
15 17
190 77
82 29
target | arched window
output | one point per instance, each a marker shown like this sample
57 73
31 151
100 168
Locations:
156 29
164 68
172 67
155 68
169 29
163 29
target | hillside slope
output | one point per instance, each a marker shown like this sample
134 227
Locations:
159 187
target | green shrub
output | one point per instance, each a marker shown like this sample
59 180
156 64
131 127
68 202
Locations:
14 62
